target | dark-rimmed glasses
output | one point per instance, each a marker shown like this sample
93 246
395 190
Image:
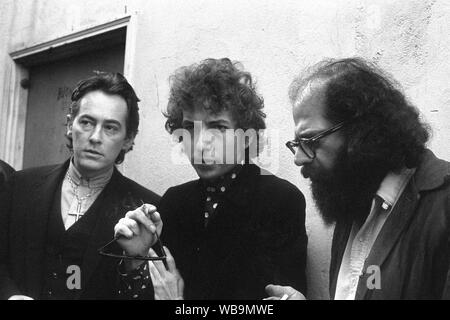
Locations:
308 144
104 250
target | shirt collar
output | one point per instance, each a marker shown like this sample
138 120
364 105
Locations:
224 182
393 185
94 182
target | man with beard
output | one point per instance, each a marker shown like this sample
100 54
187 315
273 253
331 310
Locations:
362 145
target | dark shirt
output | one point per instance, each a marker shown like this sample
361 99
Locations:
232 238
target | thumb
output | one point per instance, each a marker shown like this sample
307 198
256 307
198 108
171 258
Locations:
280 291
276 290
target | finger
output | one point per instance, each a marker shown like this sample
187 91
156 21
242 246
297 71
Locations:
156 277
159 265
20 297
132 225
149 207
180 286
170 260
280 291
123 225
277 291
150 211
155 217
122 230
272 298
140 216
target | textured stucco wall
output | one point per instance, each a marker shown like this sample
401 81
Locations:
274 40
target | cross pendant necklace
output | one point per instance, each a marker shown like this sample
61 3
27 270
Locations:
78 213
79 200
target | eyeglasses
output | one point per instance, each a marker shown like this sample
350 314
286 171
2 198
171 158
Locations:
308 144
130 204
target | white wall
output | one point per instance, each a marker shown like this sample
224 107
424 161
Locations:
274 40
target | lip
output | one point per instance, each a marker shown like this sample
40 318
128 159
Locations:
90 151
305 172
204 162
208 162
204 167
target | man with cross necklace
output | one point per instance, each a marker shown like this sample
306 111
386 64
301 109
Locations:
54 219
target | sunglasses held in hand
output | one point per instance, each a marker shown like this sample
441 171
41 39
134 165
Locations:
130 204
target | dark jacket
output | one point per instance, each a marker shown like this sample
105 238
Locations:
413 248
257 237
5 172
24 211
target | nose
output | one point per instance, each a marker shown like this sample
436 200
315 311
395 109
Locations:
97 135
301 158
201 144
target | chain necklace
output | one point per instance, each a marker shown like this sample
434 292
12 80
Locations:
79 199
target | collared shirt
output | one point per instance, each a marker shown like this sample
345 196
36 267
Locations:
79 193
362 238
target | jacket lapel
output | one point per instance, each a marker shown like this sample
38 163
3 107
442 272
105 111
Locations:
36 216
397 221
430 175
108 210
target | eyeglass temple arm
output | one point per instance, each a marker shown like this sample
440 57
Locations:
158 240
156 233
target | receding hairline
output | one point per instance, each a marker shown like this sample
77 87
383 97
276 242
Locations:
308 85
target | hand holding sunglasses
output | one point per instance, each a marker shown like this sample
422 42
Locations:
136 233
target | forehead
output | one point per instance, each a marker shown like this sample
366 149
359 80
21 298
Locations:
199 113
309 109
102 106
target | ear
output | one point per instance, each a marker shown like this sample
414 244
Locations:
128 144
69 129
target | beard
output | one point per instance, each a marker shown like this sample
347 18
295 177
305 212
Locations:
345 192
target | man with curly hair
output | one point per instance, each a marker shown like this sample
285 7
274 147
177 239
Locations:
235 229
362 145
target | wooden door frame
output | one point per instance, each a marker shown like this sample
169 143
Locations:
15 104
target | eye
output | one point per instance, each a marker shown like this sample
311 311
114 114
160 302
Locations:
86 124
111 129
313 144
220 127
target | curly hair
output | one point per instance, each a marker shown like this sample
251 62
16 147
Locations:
109 83
383 129
216 85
